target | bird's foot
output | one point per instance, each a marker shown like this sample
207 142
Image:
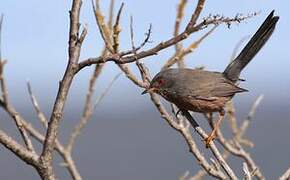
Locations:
209 139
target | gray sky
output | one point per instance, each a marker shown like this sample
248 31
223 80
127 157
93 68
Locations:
35 36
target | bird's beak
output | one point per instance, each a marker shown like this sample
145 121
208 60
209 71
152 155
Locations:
148 91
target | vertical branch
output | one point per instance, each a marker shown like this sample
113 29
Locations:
111 14
2 63
117 30
46 170
104 30
179 16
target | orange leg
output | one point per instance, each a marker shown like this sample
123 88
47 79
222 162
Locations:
215 128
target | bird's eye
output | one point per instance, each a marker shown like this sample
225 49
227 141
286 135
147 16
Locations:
161 81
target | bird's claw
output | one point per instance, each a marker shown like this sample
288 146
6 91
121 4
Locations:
208 140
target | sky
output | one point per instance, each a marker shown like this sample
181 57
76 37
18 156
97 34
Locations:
34 42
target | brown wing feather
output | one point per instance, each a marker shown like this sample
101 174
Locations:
203 84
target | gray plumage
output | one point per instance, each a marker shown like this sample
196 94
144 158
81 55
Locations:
199 84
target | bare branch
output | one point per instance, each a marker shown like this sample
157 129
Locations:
111 14
179 16
83 34
70 165
117 30
104 30
46 170
210 20
106 91
247 173
184 176
237 150
145 41
217 155
195 15
286 175
5 103
2 63
1 24
20 151
35 104
132 35
238 45
250 116
181 53
88 112
129 74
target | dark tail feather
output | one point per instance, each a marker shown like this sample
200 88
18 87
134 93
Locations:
234 69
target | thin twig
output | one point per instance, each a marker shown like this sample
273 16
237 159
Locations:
111 14
132 35
250 116
181 53
106 91
145 41
83 34
179 16
104 30
195 15
40 114
87 115
6 103
236 49
117 30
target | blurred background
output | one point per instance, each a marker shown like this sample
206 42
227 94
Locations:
127 139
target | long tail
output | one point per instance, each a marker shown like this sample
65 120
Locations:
234 69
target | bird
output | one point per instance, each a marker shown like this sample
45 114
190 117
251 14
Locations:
205 91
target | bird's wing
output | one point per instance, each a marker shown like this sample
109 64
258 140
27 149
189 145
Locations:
207 86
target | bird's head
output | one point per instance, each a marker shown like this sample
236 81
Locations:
160 82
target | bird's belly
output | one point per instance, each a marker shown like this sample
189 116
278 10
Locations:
199 105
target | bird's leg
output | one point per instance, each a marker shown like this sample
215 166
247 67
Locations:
178 111
215 128
191 120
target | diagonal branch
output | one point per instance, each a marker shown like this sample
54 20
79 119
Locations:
195 15
5 103
40 114
286 175
181 53
211 20
88 112
20 151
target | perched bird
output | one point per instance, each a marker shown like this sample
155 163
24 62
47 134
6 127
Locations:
206 91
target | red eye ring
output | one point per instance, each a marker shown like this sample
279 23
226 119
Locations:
161 81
